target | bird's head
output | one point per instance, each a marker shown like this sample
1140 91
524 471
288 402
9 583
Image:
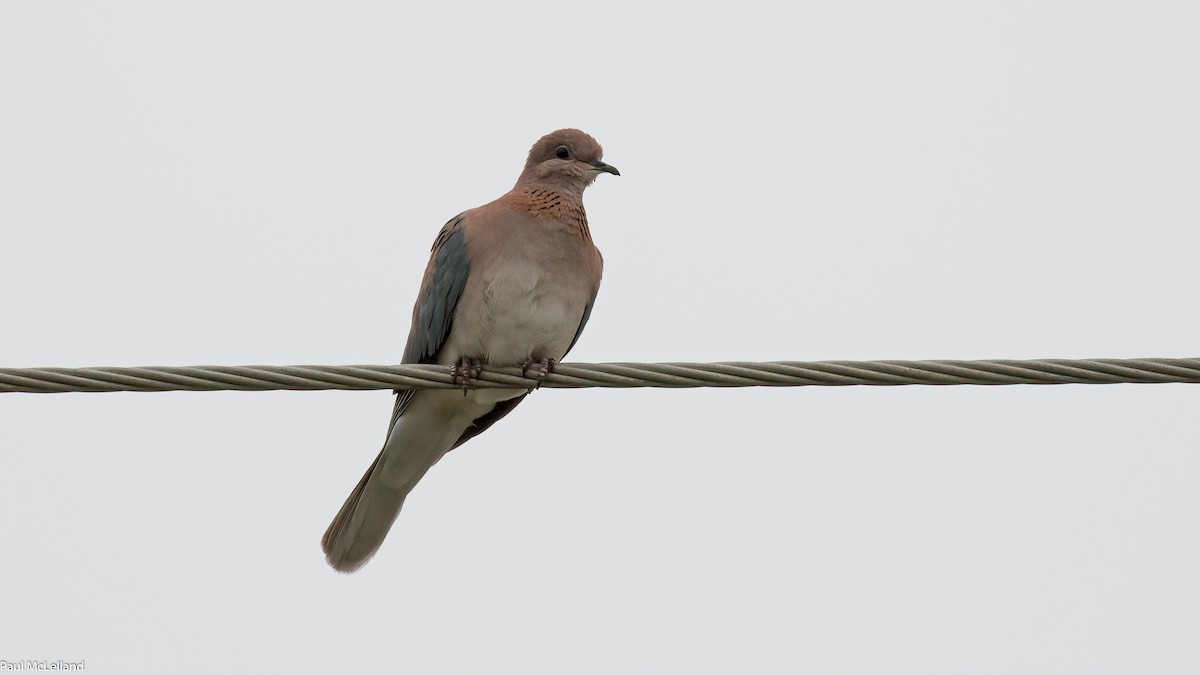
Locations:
567 159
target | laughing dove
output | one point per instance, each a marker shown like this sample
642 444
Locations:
509 283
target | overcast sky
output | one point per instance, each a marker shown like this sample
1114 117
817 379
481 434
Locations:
260 182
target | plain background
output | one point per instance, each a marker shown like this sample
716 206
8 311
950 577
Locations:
260 182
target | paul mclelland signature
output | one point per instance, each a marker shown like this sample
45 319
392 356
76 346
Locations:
33 666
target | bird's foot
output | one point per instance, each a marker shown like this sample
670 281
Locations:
464 370
542 369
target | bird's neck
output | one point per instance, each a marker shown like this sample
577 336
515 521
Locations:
552 202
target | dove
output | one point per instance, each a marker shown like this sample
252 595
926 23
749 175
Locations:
510 283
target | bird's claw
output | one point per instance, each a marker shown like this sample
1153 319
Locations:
464 370
544 366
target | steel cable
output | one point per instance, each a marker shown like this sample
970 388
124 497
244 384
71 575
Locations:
612 375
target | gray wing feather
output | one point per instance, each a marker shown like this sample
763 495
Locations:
433 314
444 283
587 314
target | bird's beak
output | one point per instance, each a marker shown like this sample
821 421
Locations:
606 168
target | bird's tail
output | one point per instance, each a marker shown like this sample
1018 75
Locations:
358 530
353 537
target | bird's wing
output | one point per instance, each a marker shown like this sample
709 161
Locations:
443 284
445 279
587 314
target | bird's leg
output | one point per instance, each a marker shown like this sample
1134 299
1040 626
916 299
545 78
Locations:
544 367
464 370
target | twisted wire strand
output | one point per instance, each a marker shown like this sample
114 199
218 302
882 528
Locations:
611 375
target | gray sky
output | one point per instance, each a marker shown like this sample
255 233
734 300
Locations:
260 182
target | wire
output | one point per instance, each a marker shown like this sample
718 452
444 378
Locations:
580 375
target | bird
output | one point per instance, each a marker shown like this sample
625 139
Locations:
509 283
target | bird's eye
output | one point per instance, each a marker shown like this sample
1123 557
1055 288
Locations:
562 152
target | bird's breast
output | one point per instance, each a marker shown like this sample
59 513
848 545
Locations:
529 305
